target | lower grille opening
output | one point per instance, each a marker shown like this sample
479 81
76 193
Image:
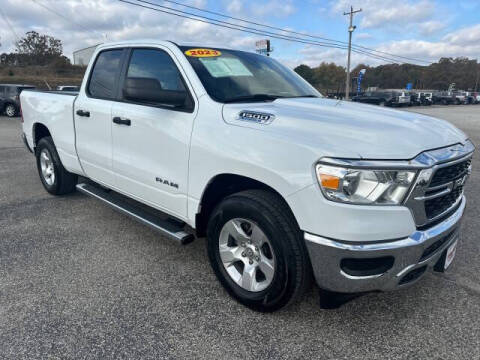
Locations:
413 275
436 245
367 267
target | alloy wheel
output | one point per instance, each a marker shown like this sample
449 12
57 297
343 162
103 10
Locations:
48 169
247 254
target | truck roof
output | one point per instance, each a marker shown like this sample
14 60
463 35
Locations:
166 43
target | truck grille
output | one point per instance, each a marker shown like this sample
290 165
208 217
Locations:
431 203
450 173
437 206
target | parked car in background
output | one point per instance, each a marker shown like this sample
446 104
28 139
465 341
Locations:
404 98
9 98
68 88
476 97
459 97
443 97
415 99
376 98
469 97
425 98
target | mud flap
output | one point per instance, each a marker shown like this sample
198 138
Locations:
333 300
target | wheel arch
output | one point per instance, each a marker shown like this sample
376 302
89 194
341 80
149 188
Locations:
39 131
221 186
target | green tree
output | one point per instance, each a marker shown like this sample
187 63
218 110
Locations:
305 71
38 49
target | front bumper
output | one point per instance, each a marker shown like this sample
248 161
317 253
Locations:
412 256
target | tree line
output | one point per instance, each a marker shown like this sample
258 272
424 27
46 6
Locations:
36 49
464 72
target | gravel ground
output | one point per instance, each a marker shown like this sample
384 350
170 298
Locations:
78 280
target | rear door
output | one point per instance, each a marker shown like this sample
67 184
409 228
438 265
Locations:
93 116
151 135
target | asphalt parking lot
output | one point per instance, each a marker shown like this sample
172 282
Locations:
79 280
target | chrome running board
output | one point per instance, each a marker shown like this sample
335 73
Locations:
167 226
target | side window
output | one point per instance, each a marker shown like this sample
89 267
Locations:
104 74
2 90
153 78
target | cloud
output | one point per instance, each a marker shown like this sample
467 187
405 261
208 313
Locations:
431 27
462 42
82 23
387 13
465 36
277 8
235 6
361 36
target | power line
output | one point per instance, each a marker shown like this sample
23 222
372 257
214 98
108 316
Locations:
284 30
64 17
5 18
209 21
228 25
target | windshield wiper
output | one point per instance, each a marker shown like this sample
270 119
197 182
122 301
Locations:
303 96
254 97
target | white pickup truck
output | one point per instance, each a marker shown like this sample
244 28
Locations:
284 183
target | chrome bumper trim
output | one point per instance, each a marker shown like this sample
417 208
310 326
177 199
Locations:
326 255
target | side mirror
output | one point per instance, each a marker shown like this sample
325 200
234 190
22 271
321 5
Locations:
149 90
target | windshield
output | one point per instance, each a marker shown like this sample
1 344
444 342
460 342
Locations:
238 76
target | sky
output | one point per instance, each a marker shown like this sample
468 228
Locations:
420 29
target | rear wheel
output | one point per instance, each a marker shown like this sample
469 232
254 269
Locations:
10 110
55 178
257 251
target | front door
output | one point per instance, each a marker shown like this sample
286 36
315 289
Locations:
151 134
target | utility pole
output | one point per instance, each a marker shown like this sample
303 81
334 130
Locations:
351 29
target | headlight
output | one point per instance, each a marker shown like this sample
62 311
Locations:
364 186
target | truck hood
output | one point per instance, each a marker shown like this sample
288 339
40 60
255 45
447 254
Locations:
347 129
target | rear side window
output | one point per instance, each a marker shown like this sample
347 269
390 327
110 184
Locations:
105 74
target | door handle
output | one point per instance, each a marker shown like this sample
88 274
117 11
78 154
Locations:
83 113
120 121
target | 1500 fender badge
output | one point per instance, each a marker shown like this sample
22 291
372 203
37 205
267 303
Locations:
256 117
166 182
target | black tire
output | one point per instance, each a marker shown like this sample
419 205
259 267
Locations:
292 274
64 182
10 110
382 103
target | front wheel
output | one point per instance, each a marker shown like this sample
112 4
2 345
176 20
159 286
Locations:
55 178
257 251
10 110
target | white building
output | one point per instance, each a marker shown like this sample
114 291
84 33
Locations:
82 56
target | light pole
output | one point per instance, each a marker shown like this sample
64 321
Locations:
351 29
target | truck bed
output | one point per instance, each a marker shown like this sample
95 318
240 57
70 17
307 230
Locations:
54 109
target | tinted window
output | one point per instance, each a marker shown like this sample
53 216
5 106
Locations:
104 74
236 76
2 90
155 64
